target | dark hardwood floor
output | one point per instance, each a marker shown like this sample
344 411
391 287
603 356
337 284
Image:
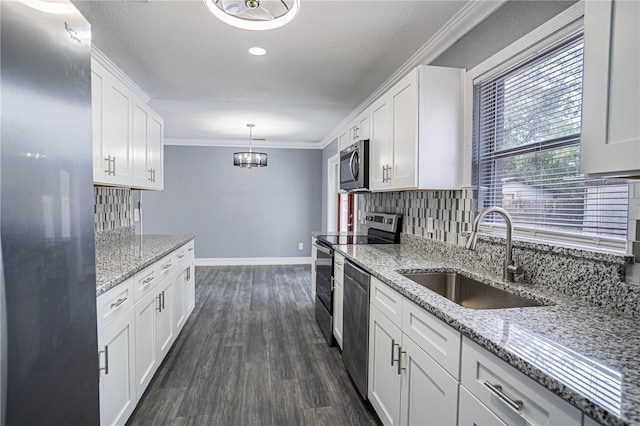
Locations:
251 353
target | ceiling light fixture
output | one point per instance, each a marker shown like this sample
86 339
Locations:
252 14
257 51
250 159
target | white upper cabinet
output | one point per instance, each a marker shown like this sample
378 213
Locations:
147 147
611 94
112 105
416 130
127 135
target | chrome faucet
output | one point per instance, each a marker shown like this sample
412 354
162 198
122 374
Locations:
510 268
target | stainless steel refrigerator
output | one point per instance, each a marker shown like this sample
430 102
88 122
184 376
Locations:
49 340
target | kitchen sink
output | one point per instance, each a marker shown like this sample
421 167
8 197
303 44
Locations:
468 292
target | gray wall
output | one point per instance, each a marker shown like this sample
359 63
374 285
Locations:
509 23
234 212
328 152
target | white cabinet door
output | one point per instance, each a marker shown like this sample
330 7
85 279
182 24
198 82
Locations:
472 412
117 113
179 294
429 393
380 144
362 126
155 151
147 357
611 94
189 298
165 334
141 173
344 139
117 377
99 164
384 374
338 297
404 104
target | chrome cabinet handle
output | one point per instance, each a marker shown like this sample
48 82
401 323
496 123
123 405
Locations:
333 284
400 352
163 300
150 178
190 249
114 165
154 175
108 160
167 266
393 347
516 404
180 256
159 297
118 302
106 360
148 280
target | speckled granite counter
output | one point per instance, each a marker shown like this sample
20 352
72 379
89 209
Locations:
119 259
585 354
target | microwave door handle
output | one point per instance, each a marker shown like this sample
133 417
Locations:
353 155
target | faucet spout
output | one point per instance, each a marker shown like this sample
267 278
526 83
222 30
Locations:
510 268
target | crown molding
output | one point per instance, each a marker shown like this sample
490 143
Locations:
103 60
241 143
473 13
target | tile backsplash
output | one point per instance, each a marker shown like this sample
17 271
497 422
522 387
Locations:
439 215
112 208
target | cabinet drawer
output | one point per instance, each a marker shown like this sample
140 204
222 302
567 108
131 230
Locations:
145 280
338 268
114 303
472 412
436 338
167 265
481 369
183 253
387 300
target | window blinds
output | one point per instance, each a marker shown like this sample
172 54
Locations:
527 123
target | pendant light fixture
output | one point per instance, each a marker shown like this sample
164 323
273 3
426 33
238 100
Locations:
254 15
250 159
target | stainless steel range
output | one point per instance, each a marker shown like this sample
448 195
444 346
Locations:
383 228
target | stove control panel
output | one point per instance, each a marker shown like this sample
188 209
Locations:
382 221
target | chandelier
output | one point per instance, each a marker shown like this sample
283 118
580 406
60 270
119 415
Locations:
250 159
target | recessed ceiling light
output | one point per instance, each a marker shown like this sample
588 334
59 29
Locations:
257 51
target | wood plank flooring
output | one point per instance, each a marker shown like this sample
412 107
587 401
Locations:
252 354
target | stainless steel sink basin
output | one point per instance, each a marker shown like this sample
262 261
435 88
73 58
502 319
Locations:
468 292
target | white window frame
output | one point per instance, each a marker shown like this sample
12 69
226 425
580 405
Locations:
555 30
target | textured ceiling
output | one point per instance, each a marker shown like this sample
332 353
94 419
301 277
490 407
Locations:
318 68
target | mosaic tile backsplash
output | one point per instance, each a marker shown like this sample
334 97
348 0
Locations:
439 215
113 209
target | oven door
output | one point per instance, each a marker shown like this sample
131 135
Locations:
324 276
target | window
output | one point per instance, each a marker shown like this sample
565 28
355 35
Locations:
527 123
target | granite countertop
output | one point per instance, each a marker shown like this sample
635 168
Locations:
585 354
119 259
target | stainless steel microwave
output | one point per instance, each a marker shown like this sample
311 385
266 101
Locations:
354 167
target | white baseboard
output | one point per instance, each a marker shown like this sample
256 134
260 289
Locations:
226 261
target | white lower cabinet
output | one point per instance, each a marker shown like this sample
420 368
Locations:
406 385
429 394
117 370
134 338
384 381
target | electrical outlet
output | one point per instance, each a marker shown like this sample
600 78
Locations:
300 246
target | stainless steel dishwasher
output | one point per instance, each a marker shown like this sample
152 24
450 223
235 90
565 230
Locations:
355 329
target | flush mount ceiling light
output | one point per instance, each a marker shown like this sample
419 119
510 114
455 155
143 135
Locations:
257 51
254 14
250 159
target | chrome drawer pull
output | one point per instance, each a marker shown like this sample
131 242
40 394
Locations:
148 280
118 302
167 266
190 249
180 256
393 347
106 360
497 389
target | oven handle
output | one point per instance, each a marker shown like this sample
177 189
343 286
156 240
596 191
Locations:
324 249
